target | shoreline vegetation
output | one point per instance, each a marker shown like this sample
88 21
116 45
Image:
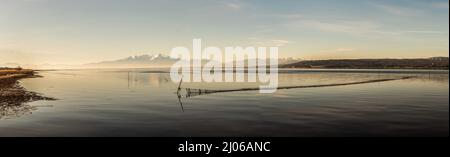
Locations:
10 75
433 63
13 96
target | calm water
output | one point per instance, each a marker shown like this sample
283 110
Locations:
144 103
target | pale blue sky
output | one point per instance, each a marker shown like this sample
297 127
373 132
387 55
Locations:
81 31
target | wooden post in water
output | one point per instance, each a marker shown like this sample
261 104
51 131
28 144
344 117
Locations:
179 85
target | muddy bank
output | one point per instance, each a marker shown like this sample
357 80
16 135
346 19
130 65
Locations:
13 97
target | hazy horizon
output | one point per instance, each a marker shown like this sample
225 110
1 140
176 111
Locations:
80 65
80 32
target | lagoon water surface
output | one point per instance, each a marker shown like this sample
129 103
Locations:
143 102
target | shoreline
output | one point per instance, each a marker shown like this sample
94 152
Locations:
12 94
10 75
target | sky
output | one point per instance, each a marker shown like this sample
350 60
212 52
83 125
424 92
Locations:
84 31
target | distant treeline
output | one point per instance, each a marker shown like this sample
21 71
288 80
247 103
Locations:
6 68
423 63
8 75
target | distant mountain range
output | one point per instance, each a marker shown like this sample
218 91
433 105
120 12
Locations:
157 60
164 61
420 63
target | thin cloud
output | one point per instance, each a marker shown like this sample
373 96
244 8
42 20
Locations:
352 27
403 32
263 29
35 0
426 32
337 26
269 42
440 5
399 11
234 6
290 16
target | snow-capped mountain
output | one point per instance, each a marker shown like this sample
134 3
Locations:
145 58
157 60
142 61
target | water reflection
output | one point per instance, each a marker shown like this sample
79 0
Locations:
134 78
14 101
146 103
190 92
179 100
